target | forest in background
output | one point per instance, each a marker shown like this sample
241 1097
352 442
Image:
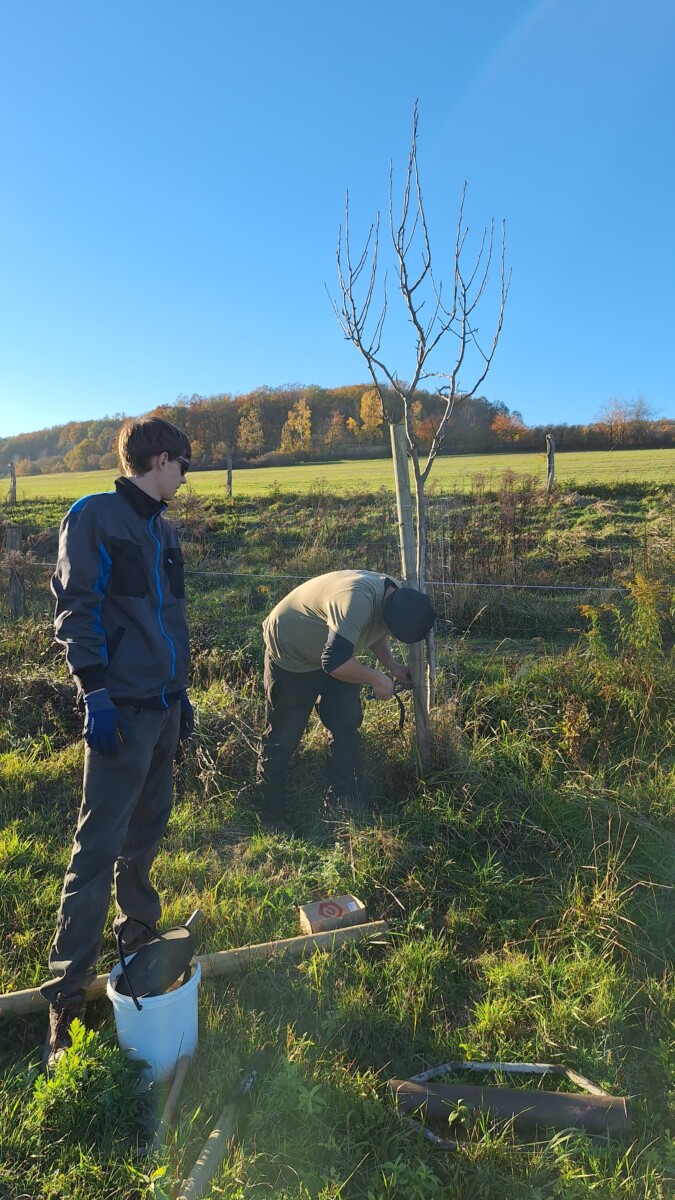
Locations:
293 423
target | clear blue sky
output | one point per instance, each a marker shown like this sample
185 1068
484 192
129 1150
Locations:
172 176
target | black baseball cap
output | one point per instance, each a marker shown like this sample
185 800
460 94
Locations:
408 614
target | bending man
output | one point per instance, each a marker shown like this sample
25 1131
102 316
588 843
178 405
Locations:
311 639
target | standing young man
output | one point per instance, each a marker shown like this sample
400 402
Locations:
120 614
311 638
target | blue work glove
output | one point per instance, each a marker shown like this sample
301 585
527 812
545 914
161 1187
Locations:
103 726
187 717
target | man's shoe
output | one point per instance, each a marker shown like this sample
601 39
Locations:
340 806
271 813
273 818
133 944
61 1016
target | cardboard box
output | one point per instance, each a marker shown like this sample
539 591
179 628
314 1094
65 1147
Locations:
324 915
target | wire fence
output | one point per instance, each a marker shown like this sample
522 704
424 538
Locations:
517 610
494 566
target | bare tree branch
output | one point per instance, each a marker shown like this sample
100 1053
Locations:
431 316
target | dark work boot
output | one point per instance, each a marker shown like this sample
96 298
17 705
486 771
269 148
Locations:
131 944
269 808
273 818
341 805
61 1015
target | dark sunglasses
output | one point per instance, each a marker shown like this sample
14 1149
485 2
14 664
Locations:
184 463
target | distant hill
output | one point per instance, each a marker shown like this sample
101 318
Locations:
294 423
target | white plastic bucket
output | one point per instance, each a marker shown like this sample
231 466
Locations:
165 1027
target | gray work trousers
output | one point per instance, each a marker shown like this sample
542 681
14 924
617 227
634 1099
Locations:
126 803
290 697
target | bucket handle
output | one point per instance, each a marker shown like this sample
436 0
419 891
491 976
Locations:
189 924
123 965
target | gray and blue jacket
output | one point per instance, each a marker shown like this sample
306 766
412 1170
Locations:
120 598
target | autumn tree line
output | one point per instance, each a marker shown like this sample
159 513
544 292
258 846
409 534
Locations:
284 425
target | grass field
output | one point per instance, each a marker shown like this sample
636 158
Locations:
449 473
528 880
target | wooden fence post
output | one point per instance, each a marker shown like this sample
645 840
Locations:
404 506
550 463
11 499
17 592
406 532
229 476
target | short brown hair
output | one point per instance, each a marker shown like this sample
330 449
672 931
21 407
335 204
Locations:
139 442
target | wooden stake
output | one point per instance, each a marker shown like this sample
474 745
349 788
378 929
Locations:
211 1156
168 1117
406 534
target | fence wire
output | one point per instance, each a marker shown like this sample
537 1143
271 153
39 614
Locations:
493 565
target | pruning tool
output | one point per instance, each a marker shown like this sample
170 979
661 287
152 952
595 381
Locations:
398 688
401 687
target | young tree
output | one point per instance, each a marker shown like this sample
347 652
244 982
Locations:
367 428
251 436
623 421
84 456
439 318
224 428
508 426
296 435
372 415
335 434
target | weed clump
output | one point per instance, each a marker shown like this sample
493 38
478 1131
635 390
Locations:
96 1095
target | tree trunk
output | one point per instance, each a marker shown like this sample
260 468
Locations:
409 563
17 594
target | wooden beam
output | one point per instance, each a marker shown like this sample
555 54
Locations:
222 962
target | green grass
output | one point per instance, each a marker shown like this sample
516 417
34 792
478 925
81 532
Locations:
449 473
528 881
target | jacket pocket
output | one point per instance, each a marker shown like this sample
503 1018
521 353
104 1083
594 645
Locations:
128 573
114 642
173 565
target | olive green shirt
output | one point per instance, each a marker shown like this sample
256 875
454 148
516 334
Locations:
344 602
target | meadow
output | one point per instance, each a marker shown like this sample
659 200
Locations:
527 879
450 473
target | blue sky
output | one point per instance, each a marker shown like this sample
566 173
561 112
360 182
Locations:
172 177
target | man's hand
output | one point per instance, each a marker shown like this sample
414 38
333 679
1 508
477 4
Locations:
187 717
402 674
383 686
103 726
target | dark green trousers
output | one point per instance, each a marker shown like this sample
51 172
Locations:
290 697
